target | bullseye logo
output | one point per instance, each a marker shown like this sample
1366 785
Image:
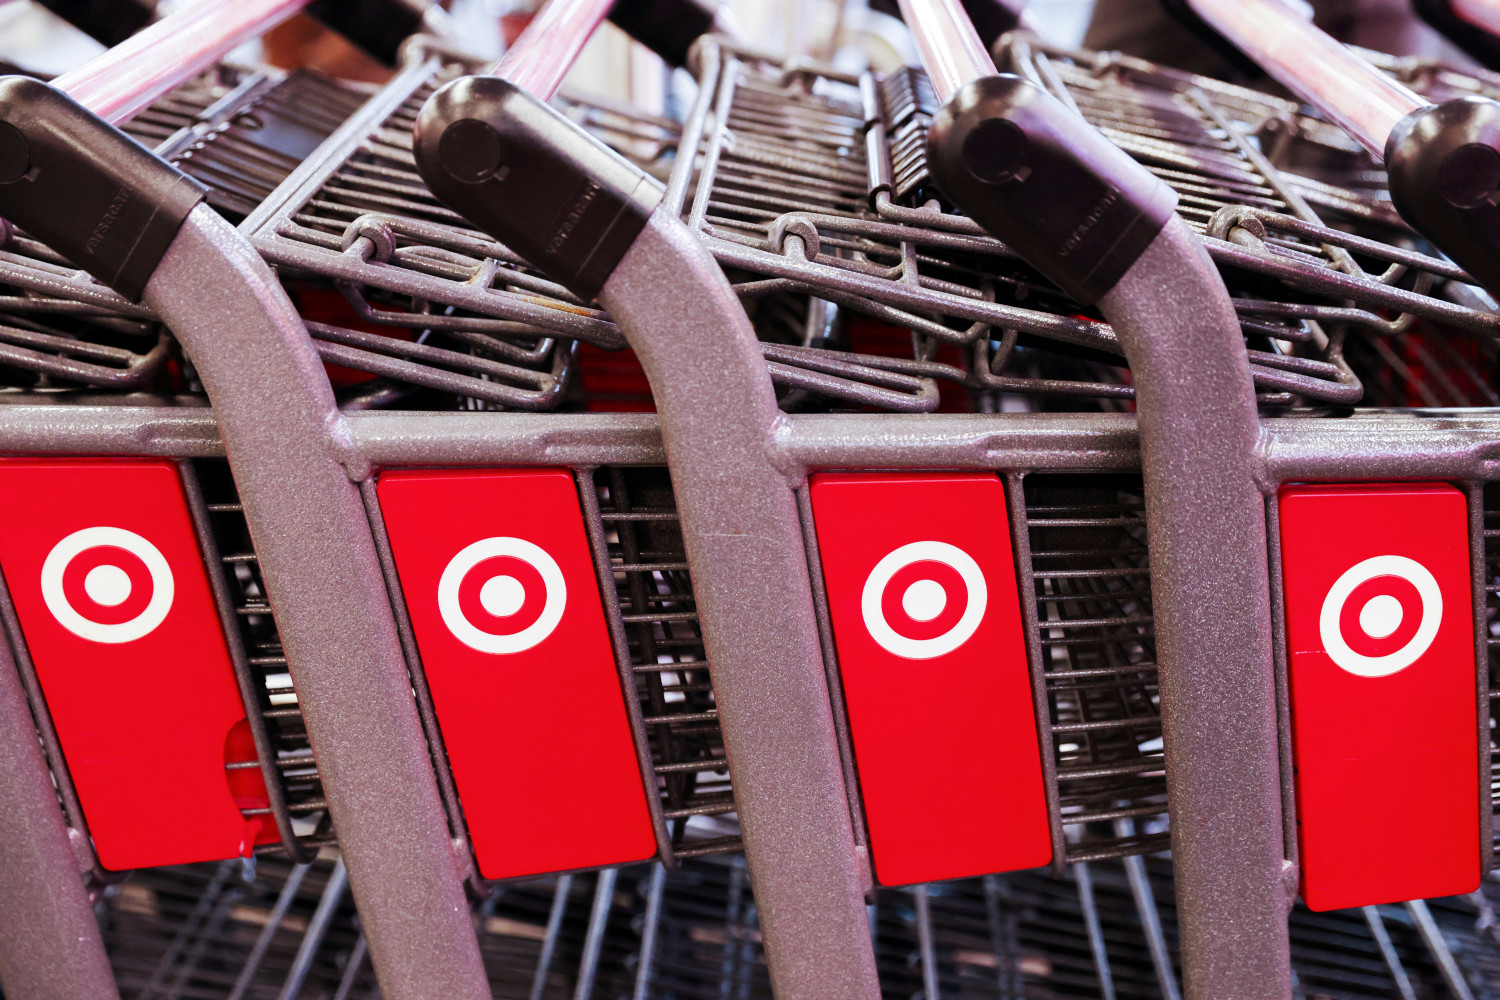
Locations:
107 585
502 595
924 600
1381 615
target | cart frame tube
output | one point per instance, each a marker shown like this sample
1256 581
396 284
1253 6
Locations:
1200 445
1199 431
284 437
740 525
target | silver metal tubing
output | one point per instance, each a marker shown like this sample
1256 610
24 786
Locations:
1482 14
52 948
1365 102
133 74
740 525
652 925
312 939
950 47
547 49
1206 528
588 966
281 430
1388 952
272 927
549 938
1090 906
1438 948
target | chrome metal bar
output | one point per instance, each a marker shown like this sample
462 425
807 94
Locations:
549 46
588 967
1084 878
133 74
652 922
1438 948
1388 952
950 47
268 932
1364 101
312 938
549 939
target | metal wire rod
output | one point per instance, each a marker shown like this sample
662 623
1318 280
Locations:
312 940
268 932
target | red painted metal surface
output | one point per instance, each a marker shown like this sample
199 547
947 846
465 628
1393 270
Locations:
104 568
498 578
1380 636
921 585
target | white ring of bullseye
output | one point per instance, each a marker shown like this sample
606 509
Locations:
163 587
1413 573
488 548
872 598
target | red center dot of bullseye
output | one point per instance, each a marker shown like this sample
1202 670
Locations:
502 596
1380 616
107 585
924 600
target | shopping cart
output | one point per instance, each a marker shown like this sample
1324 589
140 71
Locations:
1182 131
1422 363
170 253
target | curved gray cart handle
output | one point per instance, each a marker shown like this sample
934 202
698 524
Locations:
140 226
1094 221
1443 160
490 148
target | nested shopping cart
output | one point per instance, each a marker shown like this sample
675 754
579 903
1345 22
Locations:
425 939
950 787
185 777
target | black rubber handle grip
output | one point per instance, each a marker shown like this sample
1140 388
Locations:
532 179
85 188
666 27
1443 163
1046 183
107 21
379 27
1480 45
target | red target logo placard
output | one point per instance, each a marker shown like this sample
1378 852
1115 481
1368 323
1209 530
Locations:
102 561
499 581
1380 638
921 585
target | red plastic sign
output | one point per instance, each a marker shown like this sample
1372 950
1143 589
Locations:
921 586
500 584
104 567
1380 634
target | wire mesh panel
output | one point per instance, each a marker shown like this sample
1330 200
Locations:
301 788
1091 569
639 518
238 131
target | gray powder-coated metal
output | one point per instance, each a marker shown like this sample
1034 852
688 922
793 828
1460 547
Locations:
744 546
51 944
278 419
1199 435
